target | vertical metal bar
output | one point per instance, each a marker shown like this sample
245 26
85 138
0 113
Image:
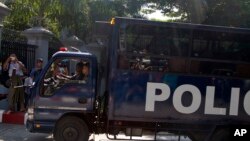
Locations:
179 136
130 133
156 126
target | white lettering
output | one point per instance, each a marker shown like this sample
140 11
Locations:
152 96
196 101
234 102
209 103
243 131
247 103
159 92
237 132
240 132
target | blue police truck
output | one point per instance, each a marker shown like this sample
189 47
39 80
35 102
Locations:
150 77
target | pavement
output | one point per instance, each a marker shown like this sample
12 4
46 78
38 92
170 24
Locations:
17 132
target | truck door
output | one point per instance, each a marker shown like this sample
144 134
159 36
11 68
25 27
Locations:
66 86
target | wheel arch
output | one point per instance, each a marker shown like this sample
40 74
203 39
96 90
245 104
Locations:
83 116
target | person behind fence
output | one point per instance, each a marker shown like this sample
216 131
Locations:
16 92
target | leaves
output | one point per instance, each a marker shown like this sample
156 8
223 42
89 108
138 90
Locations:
76 17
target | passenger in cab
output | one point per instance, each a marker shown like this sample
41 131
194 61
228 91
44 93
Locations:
85 71
78 75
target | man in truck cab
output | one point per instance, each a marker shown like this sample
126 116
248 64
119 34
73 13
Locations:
79 75
85 71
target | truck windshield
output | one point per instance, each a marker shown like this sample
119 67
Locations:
65 71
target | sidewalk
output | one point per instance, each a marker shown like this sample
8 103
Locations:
12 118
15 132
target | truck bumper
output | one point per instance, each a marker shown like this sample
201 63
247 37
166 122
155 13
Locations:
41 127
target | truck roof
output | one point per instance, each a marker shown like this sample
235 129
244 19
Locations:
73 54
185 25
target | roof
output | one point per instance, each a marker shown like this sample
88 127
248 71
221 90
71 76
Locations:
73 54
183 25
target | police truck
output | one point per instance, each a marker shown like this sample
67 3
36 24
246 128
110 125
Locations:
149 77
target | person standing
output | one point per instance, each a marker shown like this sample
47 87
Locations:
35 72
13 63
16 71
16 92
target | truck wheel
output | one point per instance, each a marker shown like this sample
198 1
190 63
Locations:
220 135
71 129
197 135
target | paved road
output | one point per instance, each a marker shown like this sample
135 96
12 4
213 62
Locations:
12 132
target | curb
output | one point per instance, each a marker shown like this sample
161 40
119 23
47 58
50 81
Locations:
13 118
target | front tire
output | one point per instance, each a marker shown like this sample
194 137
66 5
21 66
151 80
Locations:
221 134
71 129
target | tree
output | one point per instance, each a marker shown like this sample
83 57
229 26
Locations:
28 13
74 17
54 15
229 13
215 12
189 10
106 9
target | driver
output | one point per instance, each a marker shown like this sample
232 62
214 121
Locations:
78 75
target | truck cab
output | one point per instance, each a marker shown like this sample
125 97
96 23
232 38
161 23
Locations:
65 90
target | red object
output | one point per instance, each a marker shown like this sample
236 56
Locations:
13 118
63 49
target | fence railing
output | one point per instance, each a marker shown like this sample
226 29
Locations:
24 52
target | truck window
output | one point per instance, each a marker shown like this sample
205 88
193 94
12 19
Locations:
153 48
220 54
65 72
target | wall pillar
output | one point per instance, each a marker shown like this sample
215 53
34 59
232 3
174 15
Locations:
39 36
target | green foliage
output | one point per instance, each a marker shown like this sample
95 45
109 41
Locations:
215 12
76 17
106 9
229 13
28 13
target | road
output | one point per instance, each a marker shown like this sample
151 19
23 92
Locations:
13 132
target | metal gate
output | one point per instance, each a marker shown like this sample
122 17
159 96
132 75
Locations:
24 52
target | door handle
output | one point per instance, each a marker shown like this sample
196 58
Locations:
82 100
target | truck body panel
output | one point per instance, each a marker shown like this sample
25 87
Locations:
128 98
119 97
